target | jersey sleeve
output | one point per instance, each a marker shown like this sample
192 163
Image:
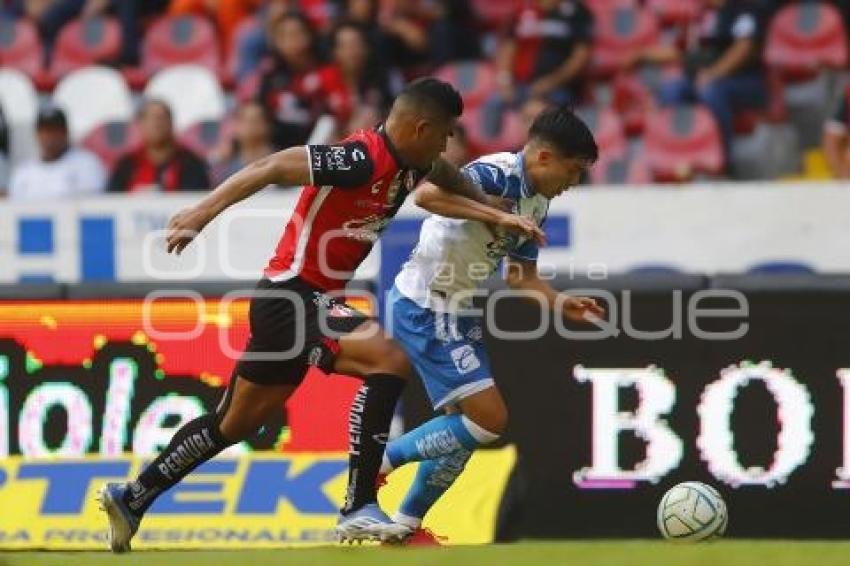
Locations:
492 179
347 164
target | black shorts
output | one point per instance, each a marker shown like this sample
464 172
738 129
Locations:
293 326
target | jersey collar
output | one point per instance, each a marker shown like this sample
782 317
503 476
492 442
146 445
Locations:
524 182
391 148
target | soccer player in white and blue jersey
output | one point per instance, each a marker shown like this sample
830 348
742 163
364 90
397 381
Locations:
430 302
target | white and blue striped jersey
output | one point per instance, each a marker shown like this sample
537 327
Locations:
454 257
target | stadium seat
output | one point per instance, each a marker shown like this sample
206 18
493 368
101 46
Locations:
632 100
475 80
193 93
20 107
20 47
681 142
608 130
804 38
92 96
204 138
174 40
805 43
86 42
495 14
675 12
491 129
620 29
231 65
111 140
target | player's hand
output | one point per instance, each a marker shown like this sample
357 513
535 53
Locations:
184 227
583 309
523 226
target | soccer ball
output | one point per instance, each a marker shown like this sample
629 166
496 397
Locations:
692 511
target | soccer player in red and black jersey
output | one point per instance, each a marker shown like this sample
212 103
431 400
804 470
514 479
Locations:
351 192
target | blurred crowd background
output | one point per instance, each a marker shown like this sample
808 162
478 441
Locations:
174 95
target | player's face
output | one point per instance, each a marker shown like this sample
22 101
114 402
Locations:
558 174
432 137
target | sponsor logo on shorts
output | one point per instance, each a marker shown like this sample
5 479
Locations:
465 359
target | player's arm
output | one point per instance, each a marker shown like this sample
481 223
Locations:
523 275
451 205
343 165
449 178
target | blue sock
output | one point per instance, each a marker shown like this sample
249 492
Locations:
433 479
438 437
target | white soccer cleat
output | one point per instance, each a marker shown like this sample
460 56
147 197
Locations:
370 523
123 524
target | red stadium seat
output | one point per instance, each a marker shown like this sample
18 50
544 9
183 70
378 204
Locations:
111 140
491 130
607 129
676 12
476 81
681 142
204 138
496 14
174 40
86 42
632 100
804 38
620 30
20 47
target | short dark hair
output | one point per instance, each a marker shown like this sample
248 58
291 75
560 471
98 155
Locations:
433 95
561 128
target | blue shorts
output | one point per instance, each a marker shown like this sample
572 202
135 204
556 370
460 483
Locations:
447 351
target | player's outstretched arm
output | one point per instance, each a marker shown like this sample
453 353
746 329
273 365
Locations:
523 275
289 167
452 205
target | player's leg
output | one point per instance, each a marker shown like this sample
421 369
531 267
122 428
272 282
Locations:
242 412
437 474
368 353
263 379
481 420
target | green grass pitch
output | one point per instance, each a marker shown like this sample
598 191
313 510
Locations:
580 553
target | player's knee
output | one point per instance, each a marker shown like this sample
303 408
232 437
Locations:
493 420
388 357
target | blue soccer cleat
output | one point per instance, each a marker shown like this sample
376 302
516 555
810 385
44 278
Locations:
123 524
370 523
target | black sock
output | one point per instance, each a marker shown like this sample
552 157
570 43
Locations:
368 426
195 443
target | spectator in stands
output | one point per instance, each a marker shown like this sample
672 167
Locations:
62 171
254 46
358 90
161 163
252 141
227 14
290 84
365 13
405 23
4 154
547 52
836 138
725 72
132 15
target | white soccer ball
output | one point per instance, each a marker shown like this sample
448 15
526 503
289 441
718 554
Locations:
692 511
